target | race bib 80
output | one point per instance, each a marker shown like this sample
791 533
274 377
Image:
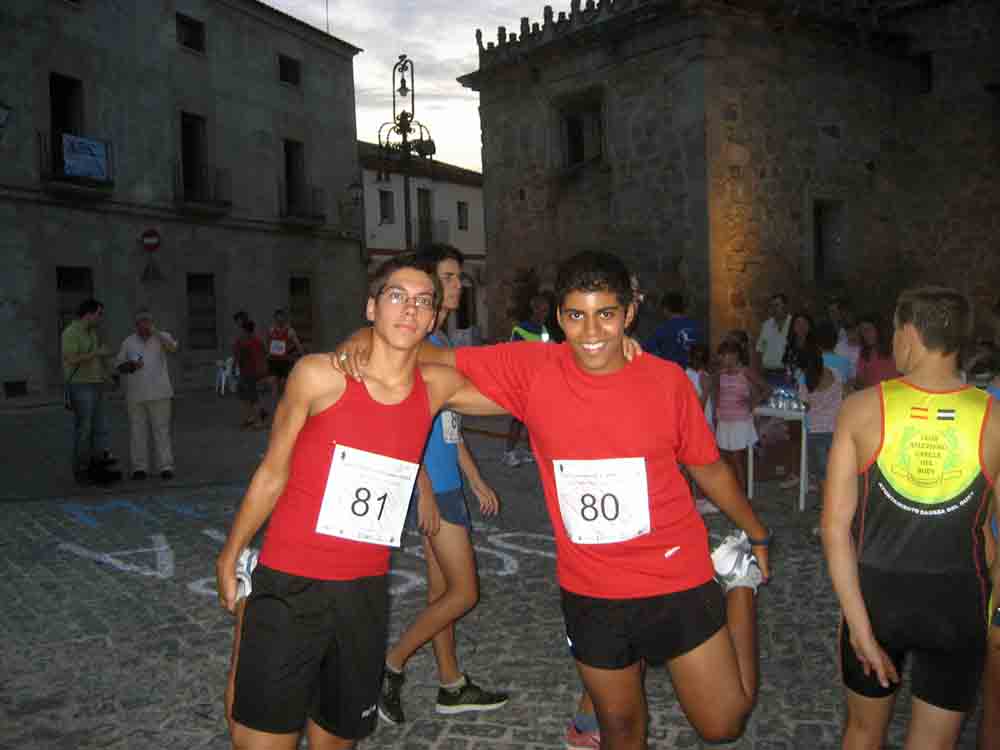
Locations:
603 501
366 497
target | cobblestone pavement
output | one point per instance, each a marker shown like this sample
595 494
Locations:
113 638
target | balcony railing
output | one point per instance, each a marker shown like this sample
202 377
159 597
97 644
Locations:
202 189
76 164
301 204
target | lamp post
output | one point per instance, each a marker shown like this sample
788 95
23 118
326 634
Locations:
404 135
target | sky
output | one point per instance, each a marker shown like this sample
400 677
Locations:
440 37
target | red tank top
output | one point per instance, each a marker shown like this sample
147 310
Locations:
292 544
279 343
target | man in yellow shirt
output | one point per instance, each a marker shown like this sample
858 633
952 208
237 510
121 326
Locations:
83 359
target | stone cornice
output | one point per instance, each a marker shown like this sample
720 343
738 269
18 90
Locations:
604 20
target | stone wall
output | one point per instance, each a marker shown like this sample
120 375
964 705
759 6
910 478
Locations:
644 198
948 153
734 137
798 118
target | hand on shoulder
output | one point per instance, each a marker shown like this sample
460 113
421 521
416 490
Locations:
312 377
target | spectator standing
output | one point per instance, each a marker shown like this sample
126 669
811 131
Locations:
84 368
772 340
735 389
822 390
142 359
837 317
248 352
799 344
826 341
533 329
875 362
674 337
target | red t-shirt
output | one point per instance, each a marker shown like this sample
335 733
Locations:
647 410
249 354
292 544
875 370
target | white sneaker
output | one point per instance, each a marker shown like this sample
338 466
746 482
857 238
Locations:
510 459
705 507
735 565
791 482
245 565
728 554
526 456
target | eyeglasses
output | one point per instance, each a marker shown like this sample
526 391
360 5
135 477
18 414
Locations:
397 296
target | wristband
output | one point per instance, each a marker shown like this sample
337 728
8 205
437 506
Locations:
765 542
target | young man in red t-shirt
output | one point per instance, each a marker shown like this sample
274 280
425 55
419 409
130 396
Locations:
638 581
334 488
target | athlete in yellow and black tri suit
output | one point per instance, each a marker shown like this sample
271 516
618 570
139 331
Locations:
907 553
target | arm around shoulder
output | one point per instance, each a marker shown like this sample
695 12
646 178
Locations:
449 389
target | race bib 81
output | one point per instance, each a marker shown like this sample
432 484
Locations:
366 497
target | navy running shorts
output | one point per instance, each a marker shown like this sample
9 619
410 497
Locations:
616 633
451 505
311 649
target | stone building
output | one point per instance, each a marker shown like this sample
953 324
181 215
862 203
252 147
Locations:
446 205
192 156
735 148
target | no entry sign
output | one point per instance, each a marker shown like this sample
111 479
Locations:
150 240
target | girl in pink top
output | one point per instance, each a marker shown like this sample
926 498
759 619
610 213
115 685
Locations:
735 390
875 362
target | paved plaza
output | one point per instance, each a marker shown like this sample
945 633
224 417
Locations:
113 637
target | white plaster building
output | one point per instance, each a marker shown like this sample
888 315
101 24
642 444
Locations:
446 206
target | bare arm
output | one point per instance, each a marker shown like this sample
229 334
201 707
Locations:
489 503
718 482
428 515
169 342
840 503
272 474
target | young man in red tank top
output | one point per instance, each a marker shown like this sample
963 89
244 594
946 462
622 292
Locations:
335 483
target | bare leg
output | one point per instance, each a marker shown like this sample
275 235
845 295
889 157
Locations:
932 728
867 721
445 651
620 703
989 730
453 556
716 683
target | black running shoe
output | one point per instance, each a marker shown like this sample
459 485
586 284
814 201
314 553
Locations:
469 697
390 702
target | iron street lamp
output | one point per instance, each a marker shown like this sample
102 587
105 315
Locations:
404 136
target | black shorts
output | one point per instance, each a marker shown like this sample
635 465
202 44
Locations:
313 649
616 633
279 368
938 620
247 389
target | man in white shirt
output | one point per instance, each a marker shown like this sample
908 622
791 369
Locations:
142 360
772 340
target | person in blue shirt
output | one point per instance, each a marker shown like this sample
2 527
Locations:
533 329
826 339
453 584
674 337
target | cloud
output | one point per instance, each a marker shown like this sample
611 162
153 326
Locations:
439 36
